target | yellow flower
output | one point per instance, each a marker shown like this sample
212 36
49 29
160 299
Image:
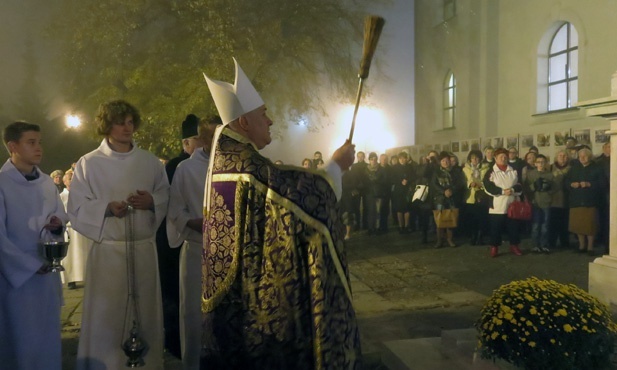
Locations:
533 311
532 344
553 341
504 337
494 335
567 328
561 312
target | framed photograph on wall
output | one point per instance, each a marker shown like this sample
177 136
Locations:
497 142
600 136
512 141
543 140
559 137
582 136
474 144
464 146
526 142
456 147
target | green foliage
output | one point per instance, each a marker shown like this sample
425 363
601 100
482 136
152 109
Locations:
544 325
153 52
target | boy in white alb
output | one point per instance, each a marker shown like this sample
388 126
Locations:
30 295
106 181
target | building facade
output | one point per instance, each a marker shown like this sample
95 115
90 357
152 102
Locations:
491 72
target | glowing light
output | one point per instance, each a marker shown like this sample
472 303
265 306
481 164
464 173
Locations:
72 121
371 134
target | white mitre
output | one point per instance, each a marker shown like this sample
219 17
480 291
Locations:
232 101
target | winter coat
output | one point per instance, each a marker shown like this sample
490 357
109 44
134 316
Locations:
560 196
541 185
585 197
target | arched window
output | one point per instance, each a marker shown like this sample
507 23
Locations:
449 101
562 71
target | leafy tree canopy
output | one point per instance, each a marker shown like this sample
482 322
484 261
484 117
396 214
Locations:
153 52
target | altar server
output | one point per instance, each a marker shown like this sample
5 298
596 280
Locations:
30 295
75 261
106 181
184 225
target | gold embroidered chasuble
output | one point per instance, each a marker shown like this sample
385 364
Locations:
275 281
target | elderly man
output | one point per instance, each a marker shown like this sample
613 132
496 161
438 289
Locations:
184 227
276 289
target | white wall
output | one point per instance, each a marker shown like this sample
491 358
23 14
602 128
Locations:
492 46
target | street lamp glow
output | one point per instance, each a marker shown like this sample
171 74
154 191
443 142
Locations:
72 121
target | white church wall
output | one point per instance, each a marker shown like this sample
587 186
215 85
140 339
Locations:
492 47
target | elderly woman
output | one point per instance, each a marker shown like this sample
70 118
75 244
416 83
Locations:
586 186
502 183
475 212
559 211
444 187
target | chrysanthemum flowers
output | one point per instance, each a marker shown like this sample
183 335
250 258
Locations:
541 324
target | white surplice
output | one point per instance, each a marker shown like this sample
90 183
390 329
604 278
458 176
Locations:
100 177
77 254
29 302
186 201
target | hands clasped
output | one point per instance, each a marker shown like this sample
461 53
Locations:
141 200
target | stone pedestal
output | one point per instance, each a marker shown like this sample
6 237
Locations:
603 270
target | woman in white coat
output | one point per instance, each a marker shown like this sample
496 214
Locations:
502 183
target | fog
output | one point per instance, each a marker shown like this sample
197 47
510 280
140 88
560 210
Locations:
389 122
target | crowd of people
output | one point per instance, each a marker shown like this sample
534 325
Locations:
250 273
470 202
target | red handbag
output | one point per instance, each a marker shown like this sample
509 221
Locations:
519 210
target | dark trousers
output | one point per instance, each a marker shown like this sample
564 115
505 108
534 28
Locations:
169 274
499 225
475 219
384 213
558 227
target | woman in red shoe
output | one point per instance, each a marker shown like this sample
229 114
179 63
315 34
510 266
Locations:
502 183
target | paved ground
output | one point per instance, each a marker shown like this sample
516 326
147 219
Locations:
404 289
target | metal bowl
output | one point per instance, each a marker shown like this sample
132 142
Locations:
55 250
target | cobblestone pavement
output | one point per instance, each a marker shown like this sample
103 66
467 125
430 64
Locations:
404 289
